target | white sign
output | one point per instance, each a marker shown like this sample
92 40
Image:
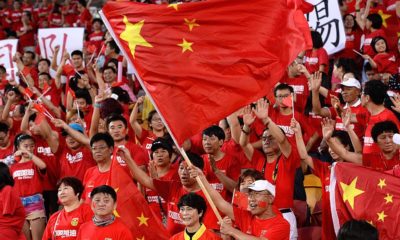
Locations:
327 20
8 48
68 39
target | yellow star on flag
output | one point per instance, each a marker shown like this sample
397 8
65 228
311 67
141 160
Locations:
174 6
115 210
191 23
131 34
186 46
371 223
389 198
384 17
382 183
381 216
143 220
350 192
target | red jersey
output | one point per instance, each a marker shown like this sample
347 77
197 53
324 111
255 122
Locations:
54 94
115 231
232 148
351 6
139 155
44 152
300 88
12 213
65 225
96 38
27 7
85 20
70 14
55 20
27 177
275 228
367 48
202 234
385 115
7 154
25 40
93 178
281 173
323 171
378 162
147 138
386 63
172 191
315 58
353 41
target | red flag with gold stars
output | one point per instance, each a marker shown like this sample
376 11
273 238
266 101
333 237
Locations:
391 26
361 193
132 208
201 61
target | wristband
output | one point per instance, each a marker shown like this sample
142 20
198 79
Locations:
97 105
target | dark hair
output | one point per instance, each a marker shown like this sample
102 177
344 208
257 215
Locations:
114 61
357 230
56 8
255 174
3 69
77 52
381 127
5 176
82 2
74 183
33 55
354 19
114 118
376 90
194 201
368 67
109 68
123 95
97 20
195 159
113 45
216 131
347 64
375 40
106 190
4 127
21 137
45 60
83 93
316 40
102 137
162 143
45 74
283 86
110 106
376 20
344 138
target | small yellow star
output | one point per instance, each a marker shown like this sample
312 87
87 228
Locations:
381 216
350 192
384 17
191 23
382 183
174 6
143 220
389 198
132 35
186 46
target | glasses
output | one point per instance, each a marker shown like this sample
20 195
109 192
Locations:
282 96
99 148
258 194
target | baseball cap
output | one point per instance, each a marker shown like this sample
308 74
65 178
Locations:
262 185
351 82
76 127
161 143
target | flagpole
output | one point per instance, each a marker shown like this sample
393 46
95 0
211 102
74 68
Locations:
181 150
293 105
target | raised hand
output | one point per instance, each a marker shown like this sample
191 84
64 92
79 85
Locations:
261 110
396 102
152 169
328 126
59 123
295 126
316 80
248 117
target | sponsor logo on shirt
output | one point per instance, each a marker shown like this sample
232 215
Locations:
350 38
74 158
288 131
175 216
218 186
75 222
96 38
298 89
154 199
393 59
367 41
120 161
65 233
311 60
368 141
24 174
45 151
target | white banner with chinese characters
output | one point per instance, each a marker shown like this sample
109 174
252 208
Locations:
69 39
8 48
327 20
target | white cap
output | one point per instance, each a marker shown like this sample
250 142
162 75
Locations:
262 185
351 82
396 138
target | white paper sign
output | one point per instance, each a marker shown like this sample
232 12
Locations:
8 48
69 39
327 20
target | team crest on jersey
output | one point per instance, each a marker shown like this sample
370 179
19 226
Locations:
74 222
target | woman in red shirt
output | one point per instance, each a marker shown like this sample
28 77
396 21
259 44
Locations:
56 19
12 213
28 173
316 59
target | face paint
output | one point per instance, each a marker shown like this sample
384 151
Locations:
262 204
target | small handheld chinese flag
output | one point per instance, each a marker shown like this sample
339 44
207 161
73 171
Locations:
288 101
201 61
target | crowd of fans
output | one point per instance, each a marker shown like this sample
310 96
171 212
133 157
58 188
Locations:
61 122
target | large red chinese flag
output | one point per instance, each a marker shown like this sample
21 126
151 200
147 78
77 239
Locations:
201 61
132 208
357 192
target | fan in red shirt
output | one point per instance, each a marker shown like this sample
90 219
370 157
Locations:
316 59
104 224
96 37
84 17
43 11
69 12
371 26
353 38
6 146
55 18
65 223
14 16
12 213
383 61
26 32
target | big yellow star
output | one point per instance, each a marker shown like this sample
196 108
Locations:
381 216
131 34
174 6
143 220
186 46
384 17
389 198
350 192
191 23
382 183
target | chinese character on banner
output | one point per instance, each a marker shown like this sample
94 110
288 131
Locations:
327 20
68 39
8 48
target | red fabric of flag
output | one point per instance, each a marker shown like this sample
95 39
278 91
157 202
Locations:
240 199
132 208
288 101
362 193
201 61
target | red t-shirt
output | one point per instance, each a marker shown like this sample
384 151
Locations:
146 139
96 38
232 148
200 235
315 58
172 191
43 151
55 20
12 213
386 63
70 15
378 162
139 155
115 231
25 40
322 170
353 41
351 6
27 177
275 228
54 94
300 87
285 175
7 154
65 225
93 178
367 48
385 115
